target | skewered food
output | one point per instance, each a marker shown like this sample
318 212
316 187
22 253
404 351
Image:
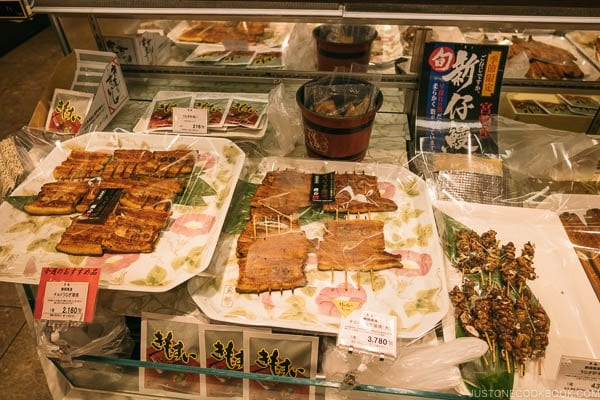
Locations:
501 307
262 221
283 191
358 193
355 245
274 263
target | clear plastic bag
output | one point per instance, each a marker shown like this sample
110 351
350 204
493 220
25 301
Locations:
106 336
300 52
286 122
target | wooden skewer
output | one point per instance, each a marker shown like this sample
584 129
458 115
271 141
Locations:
494 354
281 290
346 279
522 370
254 225
507 359
266 227
348 215
482 277
487 363
337 213
291 222
369 214
358 215
490 277
489 342
539 366
278 224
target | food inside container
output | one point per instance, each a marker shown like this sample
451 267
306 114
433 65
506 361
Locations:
345 100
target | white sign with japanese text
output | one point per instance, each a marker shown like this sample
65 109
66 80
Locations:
369 331
65 301
579 377
190 120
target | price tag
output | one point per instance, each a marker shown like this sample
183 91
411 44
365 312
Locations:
578 377
369 331
190 120
67 294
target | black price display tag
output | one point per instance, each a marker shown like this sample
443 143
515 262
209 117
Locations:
322 187
102 206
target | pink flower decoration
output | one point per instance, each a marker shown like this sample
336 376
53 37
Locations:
267 301
326 298
415 263
30 267
193 224
207 159
111 263
386 189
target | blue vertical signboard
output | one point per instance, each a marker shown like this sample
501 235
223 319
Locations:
459 93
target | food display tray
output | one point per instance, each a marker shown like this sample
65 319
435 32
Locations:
561 285
185 248
590 71
416 294
280 31
235 133
586 46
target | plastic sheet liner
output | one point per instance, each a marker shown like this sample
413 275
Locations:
107 336
538 295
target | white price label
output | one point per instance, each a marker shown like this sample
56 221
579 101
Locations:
370 331
190 120
578 377
65 301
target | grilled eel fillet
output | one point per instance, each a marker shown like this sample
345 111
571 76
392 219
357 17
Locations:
283 191
355 245
126 231
265 222
274 263
57 198
81 165
146 193
141 163
356 193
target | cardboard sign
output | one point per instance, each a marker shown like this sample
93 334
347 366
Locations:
67 294
458 95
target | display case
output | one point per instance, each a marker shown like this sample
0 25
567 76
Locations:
263 52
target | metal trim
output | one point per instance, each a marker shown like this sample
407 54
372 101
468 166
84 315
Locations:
186 12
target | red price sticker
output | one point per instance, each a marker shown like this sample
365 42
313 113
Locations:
67 294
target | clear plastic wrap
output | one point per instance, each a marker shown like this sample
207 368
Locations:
422 367
194 187
555 296
286 121
532 162
106 336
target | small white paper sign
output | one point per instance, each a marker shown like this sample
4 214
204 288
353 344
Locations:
369 331
65 301
190 120
578 377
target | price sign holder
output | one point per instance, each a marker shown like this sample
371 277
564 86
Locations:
578 377
370 332
67 294
190 120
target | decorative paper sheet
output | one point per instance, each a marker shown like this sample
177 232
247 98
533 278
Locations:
27 243
415 294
